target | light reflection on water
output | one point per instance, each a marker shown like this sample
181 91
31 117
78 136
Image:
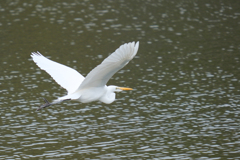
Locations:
186 99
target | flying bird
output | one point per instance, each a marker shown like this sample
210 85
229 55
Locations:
92 87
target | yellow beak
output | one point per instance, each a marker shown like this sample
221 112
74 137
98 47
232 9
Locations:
125 89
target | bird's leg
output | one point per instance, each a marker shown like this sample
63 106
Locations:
47 104
44 105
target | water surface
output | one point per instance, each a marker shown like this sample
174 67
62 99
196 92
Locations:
186 79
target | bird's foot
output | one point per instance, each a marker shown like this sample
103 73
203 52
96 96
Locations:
49 104
44 105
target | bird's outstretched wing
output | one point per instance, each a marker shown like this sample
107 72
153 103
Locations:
100 75
65 76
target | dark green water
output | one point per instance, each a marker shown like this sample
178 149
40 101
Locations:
186 78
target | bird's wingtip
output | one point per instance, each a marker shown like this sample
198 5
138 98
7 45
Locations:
136 46
36 54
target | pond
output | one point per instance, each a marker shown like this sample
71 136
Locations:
185 102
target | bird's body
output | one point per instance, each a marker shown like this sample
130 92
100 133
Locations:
93 86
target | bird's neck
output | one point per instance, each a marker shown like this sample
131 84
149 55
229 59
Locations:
109 95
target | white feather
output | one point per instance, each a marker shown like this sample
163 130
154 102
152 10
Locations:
101 74
65 76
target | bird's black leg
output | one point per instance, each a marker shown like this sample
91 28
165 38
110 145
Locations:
47 104
44 105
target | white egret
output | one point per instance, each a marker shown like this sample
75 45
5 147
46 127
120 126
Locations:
93 86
